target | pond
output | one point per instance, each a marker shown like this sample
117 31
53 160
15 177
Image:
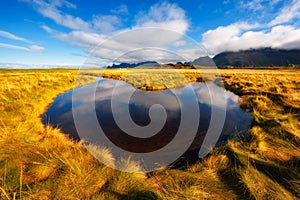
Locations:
187 120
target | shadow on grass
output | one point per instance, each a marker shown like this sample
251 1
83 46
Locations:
282 175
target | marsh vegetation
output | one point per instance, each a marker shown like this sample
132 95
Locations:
38 162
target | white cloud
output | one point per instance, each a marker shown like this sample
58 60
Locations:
100 23
17 47
164 15
132 45
30 48
13 37
106 23
36 48
63 19
60 3
288 13
286 37
191 54
122 9
274 2
242 36
253 5
257 5
51 11
179 43
162 26
85 40
220 39
10 46
179 26
47 29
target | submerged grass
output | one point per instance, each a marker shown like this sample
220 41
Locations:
38 162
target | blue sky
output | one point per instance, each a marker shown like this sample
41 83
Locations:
61 32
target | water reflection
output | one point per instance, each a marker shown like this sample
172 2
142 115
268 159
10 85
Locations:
209 97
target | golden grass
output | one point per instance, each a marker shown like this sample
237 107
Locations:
150 79
38 162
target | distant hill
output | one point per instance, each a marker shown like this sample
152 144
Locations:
253 57
203 61
258 57
133 65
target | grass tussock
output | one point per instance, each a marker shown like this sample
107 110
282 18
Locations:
38 162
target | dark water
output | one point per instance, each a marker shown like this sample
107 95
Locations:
217 108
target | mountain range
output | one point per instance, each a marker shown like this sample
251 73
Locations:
258 57
253 57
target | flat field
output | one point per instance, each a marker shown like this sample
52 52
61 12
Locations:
38 162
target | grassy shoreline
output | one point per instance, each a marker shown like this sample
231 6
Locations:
38 162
